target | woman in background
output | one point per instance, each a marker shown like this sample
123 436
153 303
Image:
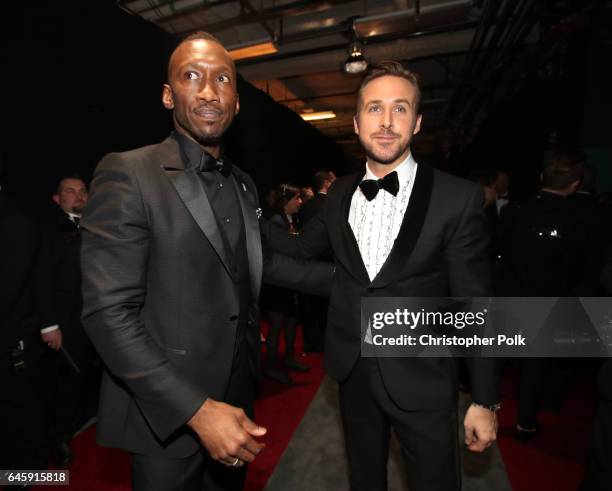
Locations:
279 304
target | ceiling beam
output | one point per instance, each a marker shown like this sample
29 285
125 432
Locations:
286 10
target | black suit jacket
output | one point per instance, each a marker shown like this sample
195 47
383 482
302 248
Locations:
59 281
312 207
160 301
441 250
19 241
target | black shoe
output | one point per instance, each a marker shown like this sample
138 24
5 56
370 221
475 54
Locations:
293 364
278 375
524 435
61 454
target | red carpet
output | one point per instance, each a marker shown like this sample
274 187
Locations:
554 460
279 408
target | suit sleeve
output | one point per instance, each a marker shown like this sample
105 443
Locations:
285 265
470 276
45 277
116 241
312 242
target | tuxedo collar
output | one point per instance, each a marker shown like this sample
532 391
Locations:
409 232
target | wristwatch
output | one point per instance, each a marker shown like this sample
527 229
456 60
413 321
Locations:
493 407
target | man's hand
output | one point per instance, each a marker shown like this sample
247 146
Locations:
480 428
53 339
227 433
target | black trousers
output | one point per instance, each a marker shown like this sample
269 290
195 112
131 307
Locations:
428 439
199 472
598 475
70 396
22 430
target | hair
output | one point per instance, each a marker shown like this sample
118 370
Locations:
390 69
206 36
282 194
563 168
320 177
70 175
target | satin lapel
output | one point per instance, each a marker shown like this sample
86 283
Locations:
354 261
253 237
191 191
409 231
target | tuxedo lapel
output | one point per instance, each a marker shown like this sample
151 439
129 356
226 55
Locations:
251 229
191 191
410 229
354 261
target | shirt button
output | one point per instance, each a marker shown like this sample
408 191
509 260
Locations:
220 184
227 220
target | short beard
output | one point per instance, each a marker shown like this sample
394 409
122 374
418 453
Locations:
382 160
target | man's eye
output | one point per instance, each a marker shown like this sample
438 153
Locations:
223 78
190 75
374 109
400 109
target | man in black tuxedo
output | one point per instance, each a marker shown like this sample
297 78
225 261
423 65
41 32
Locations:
172 265
68 364
406 230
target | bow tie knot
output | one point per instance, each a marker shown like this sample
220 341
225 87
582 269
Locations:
370 187
208 164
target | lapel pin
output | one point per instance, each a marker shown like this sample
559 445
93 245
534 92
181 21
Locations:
258 212
243 187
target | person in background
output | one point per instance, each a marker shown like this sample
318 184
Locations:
22 431
501 184
71 369
552 247
323 180
306 193
279 304
314 309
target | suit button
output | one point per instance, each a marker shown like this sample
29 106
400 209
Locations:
250 323
233 317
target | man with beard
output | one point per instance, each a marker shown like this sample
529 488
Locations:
400 229
172 265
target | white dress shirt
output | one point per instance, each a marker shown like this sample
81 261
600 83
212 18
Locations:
376 223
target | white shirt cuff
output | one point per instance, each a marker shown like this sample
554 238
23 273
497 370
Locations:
49 329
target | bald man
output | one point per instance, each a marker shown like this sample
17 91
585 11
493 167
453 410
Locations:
172 265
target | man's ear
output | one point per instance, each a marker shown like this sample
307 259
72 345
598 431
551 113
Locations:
355 125
417 126
167 98
56 198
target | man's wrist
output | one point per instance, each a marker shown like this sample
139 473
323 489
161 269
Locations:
491 407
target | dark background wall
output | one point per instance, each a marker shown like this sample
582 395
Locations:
83 78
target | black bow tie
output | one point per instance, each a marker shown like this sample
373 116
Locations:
208 164
370 187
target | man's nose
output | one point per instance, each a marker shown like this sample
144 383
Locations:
208 91
386 119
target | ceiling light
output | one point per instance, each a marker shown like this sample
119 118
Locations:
252 49
356 62
318 116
